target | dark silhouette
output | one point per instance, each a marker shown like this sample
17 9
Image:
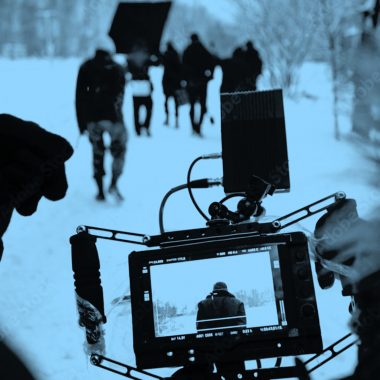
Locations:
99 100
32 166
220 309
139 61
171 81
255 65
199 64
240 72
235 73
11 365
141 22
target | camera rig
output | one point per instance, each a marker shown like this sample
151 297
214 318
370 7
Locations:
253 141
222 225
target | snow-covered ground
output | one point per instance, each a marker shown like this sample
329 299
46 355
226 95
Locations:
37 300
257 316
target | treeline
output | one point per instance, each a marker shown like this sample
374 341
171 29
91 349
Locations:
52 27
254 298
66 28
166 310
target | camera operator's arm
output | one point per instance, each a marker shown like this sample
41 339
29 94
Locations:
31 166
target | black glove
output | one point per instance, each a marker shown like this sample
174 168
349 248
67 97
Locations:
32 165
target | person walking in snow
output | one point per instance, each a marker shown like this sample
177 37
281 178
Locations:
199 64
235 73
171 80
139 61
99 100
255 65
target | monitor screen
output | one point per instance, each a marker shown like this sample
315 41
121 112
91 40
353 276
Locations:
239 290
223 298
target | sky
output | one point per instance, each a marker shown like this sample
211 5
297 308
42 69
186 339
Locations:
222 9
171 282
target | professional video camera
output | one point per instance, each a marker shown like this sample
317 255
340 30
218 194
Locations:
235 290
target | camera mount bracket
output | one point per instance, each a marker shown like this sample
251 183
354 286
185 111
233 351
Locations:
298 370
248 206
216 231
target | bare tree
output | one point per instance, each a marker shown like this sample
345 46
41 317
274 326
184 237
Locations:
184 20
283 31
339 19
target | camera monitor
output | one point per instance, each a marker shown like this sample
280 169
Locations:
254 140
223 300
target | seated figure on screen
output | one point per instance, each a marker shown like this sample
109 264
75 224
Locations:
220 309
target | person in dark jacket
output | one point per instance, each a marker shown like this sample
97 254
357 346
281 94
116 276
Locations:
198 64
139 61
171 81
235 73
220 309
255 63
99 100
32 166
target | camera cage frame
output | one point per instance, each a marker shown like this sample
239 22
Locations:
219 230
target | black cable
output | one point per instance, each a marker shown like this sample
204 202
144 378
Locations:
191 192
199 183
163 202
204 157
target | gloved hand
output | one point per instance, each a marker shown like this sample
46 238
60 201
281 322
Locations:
347 244
32 166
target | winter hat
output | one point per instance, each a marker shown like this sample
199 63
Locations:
194 37
220 286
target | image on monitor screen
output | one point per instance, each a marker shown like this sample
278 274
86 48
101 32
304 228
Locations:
228 291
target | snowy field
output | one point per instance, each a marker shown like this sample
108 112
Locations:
37 299
257 316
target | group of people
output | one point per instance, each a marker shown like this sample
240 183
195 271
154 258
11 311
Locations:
101 85
186 79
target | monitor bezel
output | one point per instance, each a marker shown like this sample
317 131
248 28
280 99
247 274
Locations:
279 176
302 335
